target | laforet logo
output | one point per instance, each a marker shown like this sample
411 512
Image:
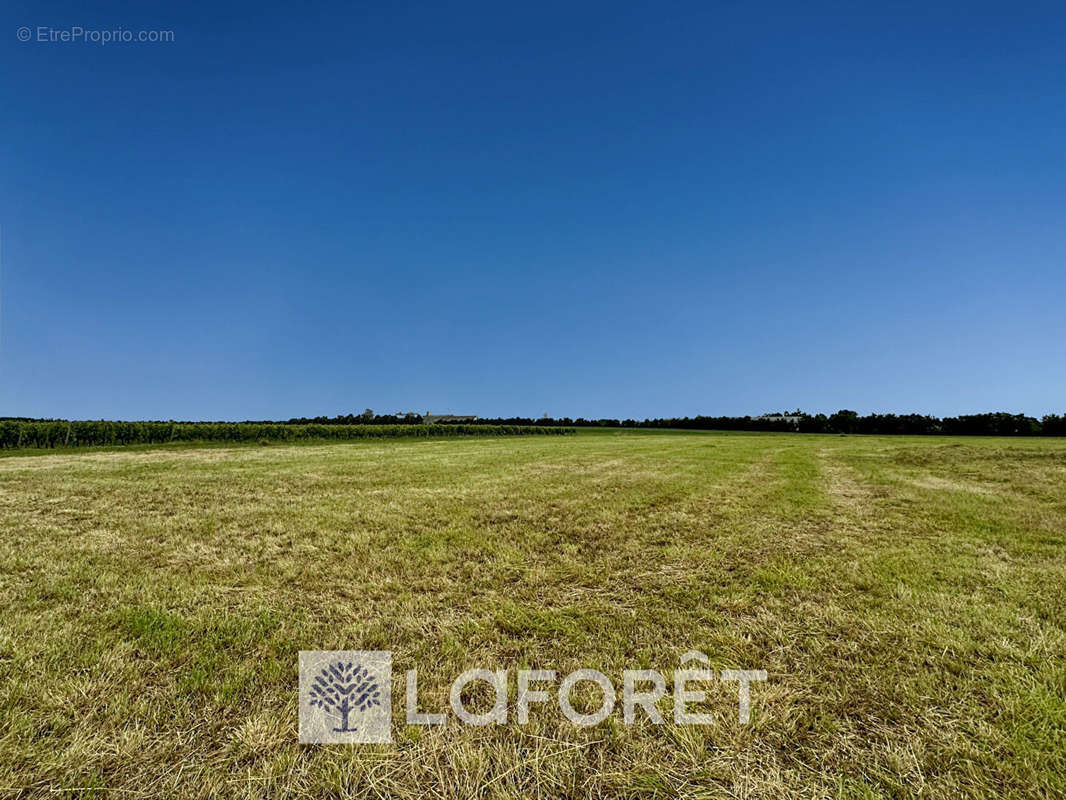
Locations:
342 688
345 696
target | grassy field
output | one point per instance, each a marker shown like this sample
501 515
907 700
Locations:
906 596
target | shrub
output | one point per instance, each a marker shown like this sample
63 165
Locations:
63 433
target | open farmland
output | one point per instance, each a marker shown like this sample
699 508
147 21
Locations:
906 596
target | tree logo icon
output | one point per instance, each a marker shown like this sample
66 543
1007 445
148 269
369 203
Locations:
342 688
345 696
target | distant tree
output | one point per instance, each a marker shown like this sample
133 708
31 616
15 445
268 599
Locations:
816 424
1054 425
844 421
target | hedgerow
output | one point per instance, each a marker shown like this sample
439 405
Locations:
62 433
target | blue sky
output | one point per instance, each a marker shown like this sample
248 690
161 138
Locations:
604 209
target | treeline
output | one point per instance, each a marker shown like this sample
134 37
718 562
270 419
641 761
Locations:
368 417
37 433
844 421
18 433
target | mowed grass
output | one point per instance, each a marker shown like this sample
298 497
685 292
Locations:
906 597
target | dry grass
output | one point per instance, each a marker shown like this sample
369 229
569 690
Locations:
905 595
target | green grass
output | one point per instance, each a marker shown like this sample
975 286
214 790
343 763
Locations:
905 595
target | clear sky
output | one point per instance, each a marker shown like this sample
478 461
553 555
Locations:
600 209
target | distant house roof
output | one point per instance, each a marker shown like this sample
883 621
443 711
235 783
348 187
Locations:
435 419
780 417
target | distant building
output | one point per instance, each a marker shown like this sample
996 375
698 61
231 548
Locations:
437 419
